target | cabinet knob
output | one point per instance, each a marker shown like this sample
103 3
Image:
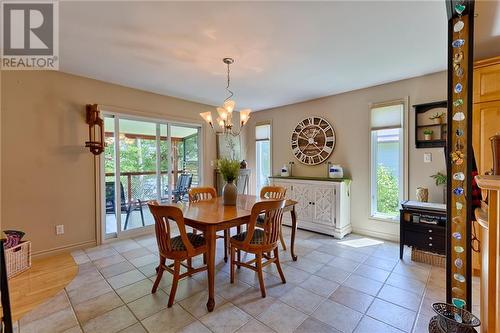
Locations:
430 238
430 244
430 230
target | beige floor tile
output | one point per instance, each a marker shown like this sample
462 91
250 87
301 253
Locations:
392 314
124 279
85 277
116 269
294 275
100 252
232 291
136 253
400 297
319 257
422 323
373 273
56 322
81 259
59 302
248 276
333 274
125 245
110 322
384 264
149 270
366 285
252 302
412 271
276 288
352 298
406 283
338 316
353 255
302 299
370 325
225 319
185 288
149 304
145 260
75 329
255 326
136 328
195 327
311 325
196 304
135 290
88 291
319 285
96 306
281 317
344 264
305 264
168 320
108 261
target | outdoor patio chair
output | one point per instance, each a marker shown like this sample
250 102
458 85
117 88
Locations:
125 207
182 187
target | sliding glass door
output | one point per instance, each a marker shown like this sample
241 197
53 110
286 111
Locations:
145 160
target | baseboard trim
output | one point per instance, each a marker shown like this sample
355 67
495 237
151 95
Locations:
376 234
63 249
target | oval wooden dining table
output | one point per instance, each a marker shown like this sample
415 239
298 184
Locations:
211 216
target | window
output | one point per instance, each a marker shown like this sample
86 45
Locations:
387 160
263 155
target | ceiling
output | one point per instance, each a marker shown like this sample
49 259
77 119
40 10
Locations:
284 52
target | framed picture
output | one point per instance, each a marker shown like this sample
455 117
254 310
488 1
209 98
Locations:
228 146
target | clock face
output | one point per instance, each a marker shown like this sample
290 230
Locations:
313 140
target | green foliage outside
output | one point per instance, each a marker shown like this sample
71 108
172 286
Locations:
387 191
229 169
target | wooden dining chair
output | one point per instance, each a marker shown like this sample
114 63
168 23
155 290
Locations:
197 194
178 248
260 241
273 192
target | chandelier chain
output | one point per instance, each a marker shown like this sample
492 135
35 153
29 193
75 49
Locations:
228 83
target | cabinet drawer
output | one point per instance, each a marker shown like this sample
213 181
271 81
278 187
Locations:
426 229
425 241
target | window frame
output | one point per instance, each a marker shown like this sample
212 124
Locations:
269 123
403 159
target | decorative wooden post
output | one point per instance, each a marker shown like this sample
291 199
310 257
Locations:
459 152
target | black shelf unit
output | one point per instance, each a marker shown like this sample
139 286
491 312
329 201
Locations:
422 108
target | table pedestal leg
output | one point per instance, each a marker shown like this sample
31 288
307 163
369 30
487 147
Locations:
210 239
294 230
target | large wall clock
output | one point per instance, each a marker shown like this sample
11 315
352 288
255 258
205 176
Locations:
313 140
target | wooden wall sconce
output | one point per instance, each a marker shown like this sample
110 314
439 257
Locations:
96 130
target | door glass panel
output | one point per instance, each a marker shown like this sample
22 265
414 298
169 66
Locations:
138 153
185 160
111 208
164 162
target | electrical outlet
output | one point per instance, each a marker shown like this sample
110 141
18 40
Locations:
60 229
427 157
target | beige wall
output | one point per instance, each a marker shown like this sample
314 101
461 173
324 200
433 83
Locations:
47 174
349 115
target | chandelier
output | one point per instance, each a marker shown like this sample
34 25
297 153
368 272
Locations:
225 112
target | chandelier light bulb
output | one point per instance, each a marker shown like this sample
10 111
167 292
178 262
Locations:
222 113
229 105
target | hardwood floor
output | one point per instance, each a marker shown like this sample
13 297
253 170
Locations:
42 281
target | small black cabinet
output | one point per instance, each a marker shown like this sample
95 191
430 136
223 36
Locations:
422 226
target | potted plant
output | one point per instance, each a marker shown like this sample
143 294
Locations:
437 118
229 170
428 134
441 180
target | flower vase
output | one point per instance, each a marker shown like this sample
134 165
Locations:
229 194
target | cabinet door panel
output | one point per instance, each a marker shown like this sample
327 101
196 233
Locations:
302 193
324 204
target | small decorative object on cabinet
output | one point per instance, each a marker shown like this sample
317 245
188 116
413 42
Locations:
422 194
284 171
229 170
323 204
423 227
313 140
430 124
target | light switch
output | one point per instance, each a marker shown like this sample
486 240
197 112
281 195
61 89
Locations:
427 157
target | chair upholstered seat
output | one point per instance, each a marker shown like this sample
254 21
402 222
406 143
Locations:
195 239
258 237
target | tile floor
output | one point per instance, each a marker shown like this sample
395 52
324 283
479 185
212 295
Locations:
333 287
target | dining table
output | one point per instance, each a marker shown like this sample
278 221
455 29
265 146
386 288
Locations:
211 216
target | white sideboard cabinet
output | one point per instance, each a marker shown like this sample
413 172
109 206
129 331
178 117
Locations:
323 204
